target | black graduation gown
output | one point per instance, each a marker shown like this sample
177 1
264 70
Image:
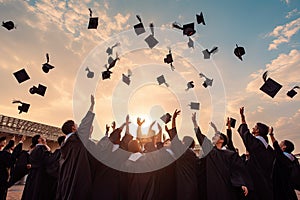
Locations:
259 165
223 172
36 182
5 164
75 178
52 170
20 168
166 182
281 176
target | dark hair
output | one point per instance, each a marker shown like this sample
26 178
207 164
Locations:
61 139
35 140
188 140
262 128
289 146
10 144
2 138
159 145
149 147
134 146
67 127
224 138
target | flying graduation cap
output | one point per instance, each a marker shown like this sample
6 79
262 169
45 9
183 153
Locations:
166 118
8 25
190 43
169 60
270 87
200 19
190 85
40 90
21 75
93 22
109 50
194 105
139 28
151 40
46 66
292 92
107 73
207 82
90 74
207 53
232 122
187 29
161 80
24 107
126 78
239 52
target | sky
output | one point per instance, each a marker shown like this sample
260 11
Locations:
268 30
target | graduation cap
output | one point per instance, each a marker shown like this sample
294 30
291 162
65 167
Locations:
207 53
8 25
195 105
169 59
190 43
270 87
21 75
151 40
292 92
139 28
24 107
93 22
90 74
113 62
40 90
126 78
46 66
200 19
166 118
161 80
109 50
239 52
190 85
232 122
188 29
207 82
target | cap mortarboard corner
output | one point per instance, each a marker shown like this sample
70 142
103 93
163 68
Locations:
93 21
40 90
9 25
21 75
239 52
207 82
195 105
292 92
270 87
90 74
24 107
139 28
200 19
46 66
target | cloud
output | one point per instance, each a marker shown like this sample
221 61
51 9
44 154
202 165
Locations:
292 13
284 33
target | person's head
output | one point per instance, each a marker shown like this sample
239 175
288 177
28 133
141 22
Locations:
37 139
149 147
2 142
287 146
134 146
10 146
115 136
219 139
159 145
188 141
167 143
260 129
60 140
69 127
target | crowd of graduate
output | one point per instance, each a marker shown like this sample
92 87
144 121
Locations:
121 168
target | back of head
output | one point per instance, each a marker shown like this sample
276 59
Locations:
263 129
289 146
149 147
224 138
10 144
134 146
115 136
67 127
159 145
35 140
188 141
61 139
2 138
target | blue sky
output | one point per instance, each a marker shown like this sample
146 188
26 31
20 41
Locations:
268 30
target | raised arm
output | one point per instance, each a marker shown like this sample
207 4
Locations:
242 115
214 127
229 136
139 128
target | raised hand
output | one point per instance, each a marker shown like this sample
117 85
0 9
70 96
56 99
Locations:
113 125
242 111
152 124
228 123
127 120
159 127
213 126
107 130
176 113
92 103
139 122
